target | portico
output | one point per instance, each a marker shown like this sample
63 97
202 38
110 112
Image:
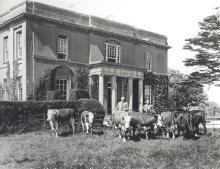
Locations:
115 82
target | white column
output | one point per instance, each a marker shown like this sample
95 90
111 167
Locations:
140 94
101 89
130 93
114 93
90 86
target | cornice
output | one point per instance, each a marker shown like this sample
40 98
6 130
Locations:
84 28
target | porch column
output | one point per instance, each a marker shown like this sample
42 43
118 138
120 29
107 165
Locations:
101 89
140 94
114 93
130 93
90 86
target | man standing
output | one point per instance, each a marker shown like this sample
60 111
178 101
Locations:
148 108
122 105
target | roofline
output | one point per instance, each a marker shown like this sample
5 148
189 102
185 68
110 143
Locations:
89 27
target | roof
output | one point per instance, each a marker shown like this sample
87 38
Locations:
35 9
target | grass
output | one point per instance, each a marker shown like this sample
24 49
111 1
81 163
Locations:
41 150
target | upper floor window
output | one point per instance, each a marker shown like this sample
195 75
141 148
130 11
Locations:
19 44
148 60
62 47
5 49
112 51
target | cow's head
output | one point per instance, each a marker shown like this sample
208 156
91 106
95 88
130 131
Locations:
51 115
127 122
89 121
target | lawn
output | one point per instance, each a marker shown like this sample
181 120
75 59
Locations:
40 150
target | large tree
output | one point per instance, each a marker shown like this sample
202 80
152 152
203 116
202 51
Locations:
184 91
206 46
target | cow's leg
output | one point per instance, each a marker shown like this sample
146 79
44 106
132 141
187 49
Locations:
83 127
204 128
72 120
196 130
52 126
147 135
87 127
168 133
119 133
173 132
56 128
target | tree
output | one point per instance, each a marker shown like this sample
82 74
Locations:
206 47
184 91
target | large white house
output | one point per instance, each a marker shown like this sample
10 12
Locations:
41 37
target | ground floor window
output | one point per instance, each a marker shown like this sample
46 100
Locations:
147 93
61 85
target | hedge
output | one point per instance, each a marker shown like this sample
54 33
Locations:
31 115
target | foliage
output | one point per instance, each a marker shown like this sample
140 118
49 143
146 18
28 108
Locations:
81 88
82 77
206 47
160 89
184 91
31 115
11 86
95 88
53 95
1 92
43 86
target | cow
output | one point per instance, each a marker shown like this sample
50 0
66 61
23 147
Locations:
56 116
166 120
120 120
183 122
143 122
197 117
87 119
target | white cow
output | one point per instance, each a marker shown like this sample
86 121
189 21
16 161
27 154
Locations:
87 119
54 116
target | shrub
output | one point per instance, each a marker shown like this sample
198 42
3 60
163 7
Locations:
76 94
31 115
53 95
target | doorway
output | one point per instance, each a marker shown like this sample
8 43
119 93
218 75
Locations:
135 95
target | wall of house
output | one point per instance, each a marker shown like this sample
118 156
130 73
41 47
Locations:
132 53
10 31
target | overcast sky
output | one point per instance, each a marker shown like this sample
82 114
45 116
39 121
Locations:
176 19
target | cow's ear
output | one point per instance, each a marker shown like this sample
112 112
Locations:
123 118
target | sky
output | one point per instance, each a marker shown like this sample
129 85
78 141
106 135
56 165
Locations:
176 19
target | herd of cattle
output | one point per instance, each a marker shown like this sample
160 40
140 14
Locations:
129 123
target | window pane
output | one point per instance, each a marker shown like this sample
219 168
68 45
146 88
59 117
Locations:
62 47
112 51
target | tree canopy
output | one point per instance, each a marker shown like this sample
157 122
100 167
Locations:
206 46
184 91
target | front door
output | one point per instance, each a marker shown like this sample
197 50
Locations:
135 95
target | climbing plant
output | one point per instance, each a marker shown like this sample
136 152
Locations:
159 85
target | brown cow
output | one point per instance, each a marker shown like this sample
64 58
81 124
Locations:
166 120
197 117
54 116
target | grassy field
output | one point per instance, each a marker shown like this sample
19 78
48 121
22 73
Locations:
40 150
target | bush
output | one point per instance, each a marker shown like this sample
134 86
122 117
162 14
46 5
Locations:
31 115
53 95
76 94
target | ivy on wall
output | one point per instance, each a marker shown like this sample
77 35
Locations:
159 85
95 88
